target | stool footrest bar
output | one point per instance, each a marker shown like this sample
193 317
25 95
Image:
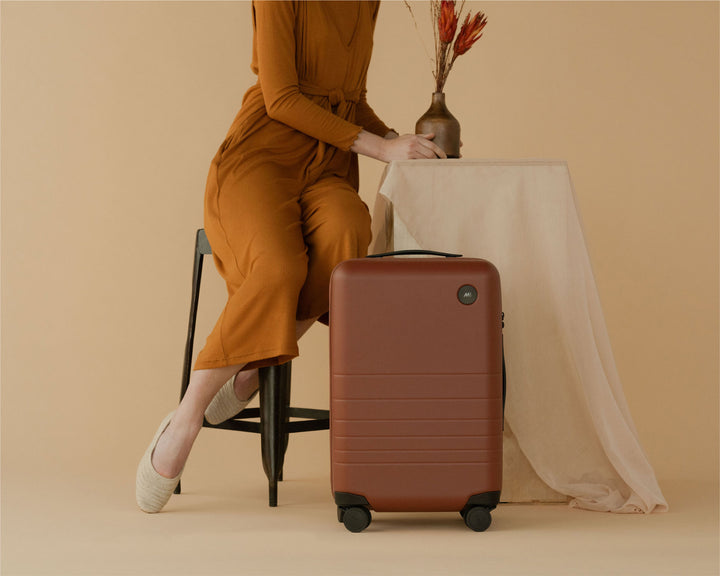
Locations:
310 413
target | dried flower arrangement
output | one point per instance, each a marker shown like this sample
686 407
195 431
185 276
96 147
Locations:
445 15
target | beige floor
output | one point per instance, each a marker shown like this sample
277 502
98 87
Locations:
88 525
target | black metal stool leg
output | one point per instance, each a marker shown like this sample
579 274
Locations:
274 402
201 248
286 379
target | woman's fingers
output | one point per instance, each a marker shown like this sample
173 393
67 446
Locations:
421 149
434 148
413 146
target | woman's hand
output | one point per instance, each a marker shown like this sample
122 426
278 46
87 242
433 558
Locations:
412 146
405 147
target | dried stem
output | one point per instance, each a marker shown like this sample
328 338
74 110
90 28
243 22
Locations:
434 14
425 48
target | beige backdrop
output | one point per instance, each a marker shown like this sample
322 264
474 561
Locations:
112 111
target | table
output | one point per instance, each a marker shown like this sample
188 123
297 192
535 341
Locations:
569 432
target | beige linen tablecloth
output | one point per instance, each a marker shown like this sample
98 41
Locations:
569 431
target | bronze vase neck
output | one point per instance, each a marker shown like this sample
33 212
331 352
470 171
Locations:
438 98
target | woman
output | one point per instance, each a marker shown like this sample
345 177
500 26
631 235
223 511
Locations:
281 209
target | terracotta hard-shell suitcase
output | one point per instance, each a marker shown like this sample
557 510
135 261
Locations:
416 387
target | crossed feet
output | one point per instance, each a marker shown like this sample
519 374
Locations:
174 445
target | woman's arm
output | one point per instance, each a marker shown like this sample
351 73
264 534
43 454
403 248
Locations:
275 42
372 140
365 116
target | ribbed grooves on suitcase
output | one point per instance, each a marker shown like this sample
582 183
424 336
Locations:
422 419
417 457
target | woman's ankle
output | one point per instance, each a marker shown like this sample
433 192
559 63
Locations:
173 448
246 382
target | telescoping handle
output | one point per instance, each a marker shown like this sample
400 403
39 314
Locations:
415 253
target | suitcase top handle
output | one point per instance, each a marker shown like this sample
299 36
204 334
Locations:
416 253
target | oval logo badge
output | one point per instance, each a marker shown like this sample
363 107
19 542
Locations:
467 294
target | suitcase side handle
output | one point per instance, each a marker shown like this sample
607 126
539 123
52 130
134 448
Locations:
415 253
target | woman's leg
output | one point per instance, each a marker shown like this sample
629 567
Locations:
174 445
336 227
254 226
246 381
253 222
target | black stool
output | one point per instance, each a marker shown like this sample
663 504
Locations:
274 412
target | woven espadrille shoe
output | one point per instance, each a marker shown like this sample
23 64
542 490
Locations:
226 404
152 491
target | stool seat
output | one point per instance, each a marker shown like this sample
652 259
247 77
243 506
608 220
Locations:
274 413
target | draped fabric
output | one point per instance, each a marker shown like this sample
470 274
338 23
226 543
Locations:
565 403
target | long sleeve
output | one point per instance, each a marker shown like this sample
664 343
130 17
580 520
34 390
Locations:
275 44
365 116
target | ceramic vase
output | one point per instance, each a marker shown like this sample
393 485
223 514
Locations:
443 124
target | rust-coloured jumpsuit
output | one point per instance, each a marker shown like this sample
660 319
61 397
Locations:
281 203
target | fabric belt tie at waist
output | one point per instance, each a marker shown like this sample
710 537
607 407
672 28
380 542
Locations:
335 95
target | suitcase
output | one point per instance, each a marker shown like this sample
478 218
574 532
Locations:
417 387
